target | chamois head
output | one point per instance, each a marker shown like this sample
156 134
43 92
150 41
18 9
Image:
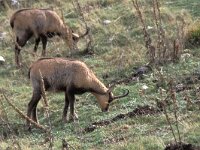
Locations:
105 99
76 38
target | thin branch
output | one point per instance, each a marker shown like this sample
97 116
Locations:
46 106
148 42
173 96
168 120
162 32
6 115
79 10
23 115
157 29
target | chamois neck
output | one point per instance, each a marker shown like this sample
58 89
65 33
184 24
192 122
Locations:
99 87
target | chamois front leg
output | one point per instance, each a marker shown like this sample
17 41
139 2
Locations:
44 44
73 116
64 117
37 41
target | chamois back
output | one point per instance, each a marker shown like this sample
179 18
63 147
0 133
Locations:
60 73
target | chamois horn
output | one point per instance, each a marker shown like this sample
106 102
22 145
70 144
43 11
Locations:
84 34
121 96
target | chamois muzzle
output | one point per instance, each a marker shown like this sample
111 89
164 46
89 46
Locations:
120 96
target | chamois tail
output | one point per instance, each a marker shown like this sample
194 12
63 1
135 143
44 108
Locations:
12 21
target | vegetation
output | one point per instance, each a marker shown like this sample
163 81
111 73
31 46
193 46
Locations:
163 104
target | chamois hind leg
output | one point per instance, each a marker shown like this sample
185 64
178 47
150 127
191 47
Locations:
17 54
44 44
37 41
73 116
34 111
19 43
64 117
31 111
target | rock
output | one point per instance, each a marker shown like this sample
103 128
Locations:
106 22
144 87
185 57
2 60
142 70
149 27
180 87
15 2
2 35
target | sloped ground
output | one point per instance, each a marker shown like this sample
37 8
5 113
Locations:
118 52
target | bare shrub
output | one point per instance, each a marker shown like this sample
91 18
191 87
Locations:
192 37
168 42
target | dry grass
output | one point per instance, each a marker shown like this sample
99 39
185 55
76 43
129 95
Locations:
118 47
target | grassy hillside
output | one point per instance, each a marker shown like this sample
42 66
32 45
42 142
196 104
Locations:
118 49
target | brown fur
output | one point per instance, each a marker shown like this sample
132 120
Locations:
42 24
72 77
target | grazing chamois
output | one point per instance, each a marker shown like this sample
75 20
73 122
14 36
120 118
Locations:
42 24
70 76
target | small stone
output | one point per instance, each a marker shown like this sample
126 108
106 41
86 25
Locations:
106 22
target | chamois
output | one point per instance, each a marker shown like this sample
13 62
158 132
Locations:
42 24
70 76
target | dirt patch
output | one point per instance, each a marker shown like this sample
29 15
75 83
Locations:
188 82
140 110
137 74
181 146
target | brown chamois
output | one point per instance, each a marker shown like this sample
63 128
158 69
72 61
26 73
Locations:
42 24
70 76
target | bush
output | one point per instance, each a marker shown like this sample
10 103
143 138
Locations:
192 38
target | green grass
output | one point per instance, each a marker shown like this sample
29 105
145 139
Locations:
118 48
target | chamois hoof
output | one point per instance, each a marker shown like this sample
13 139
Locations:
64 120
73 118
43 54
19 66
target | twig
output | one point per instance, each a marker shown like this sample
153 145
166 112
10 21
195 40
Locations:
147 38
164 108
79 10
173 96
168 120
6 116
46 111
23 115
158 29
161 30
8 126
16 143
65 145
